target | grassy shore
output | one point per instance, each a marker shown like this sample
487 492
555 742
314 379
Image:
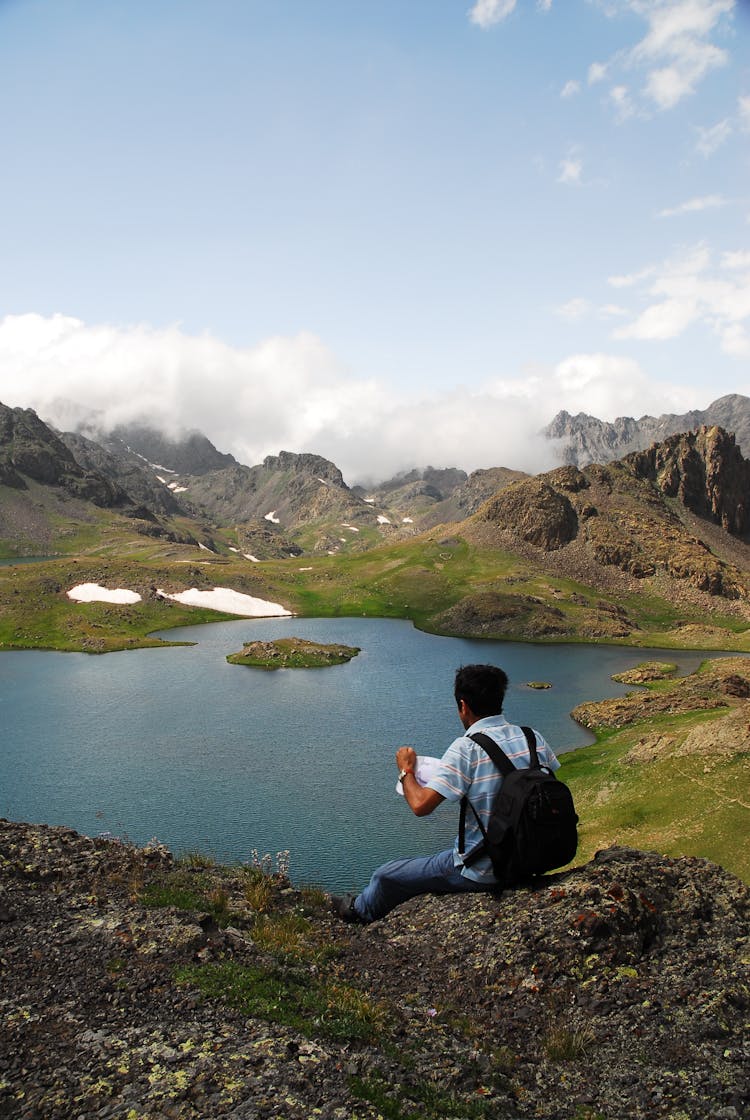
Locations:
674 780
447 586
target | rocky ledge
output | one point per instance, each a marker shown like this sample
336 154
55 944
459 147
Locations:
618 989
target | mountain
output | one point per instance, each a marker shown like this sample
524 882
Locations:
191 453
31 452
583 439
635 515
125 469
428 497
52 485
671 522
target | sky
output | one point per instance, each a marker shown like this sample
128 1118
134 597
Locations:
391 232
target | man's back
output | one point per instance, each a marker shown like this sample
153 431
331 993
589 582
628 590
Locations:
467 770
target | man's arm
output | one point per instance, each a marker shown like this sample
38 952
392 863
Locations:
420 799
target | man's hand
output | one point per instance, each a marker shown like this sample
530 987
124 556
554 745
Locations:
420 799
406 758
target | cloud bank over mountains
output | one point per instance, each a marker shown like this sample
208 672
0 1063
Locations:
293 394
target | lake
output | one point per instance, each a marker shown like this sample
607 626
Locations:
179 745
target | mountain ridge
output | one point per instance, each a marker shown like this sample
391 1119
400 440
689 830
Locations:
583 439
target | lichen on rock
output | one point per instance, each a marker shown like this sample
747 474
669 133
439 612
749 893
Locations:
615 989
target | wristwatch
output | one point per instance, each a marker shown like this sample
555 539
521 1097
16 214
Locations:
402 774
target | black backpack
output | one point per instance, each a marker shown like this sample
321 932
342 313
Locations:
532 825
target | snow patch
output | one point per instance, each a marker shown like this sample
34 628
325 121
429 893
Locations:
205 548
249 556
272 517
232 549
95 593
407 520
383 520
353 528
305 569
371 501
229 601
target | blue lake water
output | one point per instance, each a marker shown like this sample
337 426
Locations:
179 745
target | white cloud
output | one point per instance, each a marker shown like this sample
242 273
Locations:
711 139
578 309
735 340
608 386
673 56
676 50
574 310
571 169
630 280
738 260
694 205
743 111
486 13
666 319
622 101
689 291
292 394
570 89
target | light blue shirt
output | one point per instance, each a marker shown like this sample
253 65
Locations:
466 769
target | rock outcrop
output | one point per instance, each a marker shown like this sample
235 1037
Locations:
617 989
705 470
635 515
535 510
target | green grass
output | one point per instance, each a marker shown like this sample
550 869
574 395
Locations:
568 1044
307 1003
430 1102
678 806
419 579
188 890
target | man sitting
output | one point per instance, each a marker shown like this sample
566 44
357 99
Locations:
464 770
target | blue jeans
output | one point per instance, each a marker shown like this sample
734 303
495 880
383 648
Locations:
401 879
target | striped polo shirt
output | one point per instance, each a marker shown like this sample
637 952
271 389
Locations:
466 768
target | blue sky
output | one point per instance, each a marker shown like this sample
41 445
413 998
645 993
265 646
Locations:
390 231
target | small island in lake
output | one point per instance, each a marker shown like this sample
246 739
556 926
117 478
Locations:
292 653
646 672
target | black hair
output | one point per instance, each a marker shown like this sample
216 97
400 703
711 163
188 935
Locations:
482 687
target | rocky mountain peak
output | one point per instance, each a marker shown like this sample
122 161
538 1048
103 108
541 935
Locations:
29 449
189 453
305 463
583 439
705 470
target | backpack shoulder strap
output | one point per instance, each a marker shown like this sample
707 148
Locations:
504 765
498 756
531 740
